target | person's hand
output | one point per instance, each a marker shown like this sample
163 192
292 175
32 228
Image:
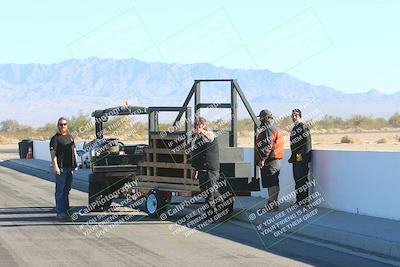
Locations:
57 170
198 130
195 174
299 157
260 163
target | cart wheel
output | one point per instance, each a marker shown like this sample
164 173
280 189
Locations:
155 203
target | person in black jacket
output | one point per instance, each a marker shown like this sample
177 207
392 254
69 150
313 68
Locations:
205 162
300 145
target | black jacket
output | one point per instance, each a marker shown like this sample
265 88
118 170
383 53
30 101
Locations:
205 155
300 143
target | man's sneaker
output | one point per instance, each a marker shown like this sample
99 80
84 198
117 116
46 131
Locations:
69 213
60 215
303 203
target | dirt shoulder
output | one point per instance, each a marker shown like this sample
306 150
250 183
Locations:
362 141
387 141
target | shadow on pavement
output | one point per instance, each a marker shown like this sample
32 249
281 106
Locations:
95 223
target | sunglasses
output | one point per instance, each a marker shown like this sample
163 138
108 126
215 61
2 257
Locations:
62 124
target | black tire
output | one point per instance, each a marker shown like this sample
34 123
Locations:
155 203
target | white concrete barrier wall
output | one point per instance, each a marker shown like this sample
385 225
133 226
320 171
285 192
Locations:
360 182
286 182
41 150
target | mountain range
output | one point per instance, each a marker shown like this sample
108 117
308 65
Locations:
35 94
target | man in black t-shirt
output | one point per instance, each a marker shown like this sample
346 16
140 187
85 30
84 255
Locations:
63 158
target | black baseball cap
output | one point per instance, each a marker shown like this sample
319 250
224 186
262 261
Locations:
296 111
265 113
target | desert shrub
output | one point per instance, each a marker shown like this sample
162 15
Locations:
364 122
12 126
394 121
329 122
349 140
3 140
285 123
81 124
245 125
46 131
383 140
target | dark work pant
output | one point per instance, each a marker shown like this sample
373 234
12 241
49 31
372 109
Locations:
270 173
300 174
207 180
63 186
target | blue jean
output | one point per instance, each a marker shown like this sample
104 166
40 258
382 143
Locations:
63 186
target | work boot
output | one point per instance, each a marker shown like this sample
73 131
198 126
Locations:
211 216
303 202
272 206
69 212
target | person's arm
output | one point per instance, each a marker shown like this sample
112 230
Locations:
193 156
269 144
292 147
75 157
54 162
195 174
207 134
259 158
53 155
265 146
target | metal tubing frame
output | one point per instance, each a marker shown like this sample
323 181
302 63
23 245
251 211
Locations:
154 118
235 90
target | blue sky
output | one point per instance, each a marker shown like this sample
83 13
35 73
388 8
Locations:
352 46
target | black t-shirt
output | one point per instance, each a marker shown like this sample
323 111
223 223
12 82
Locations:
64 146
